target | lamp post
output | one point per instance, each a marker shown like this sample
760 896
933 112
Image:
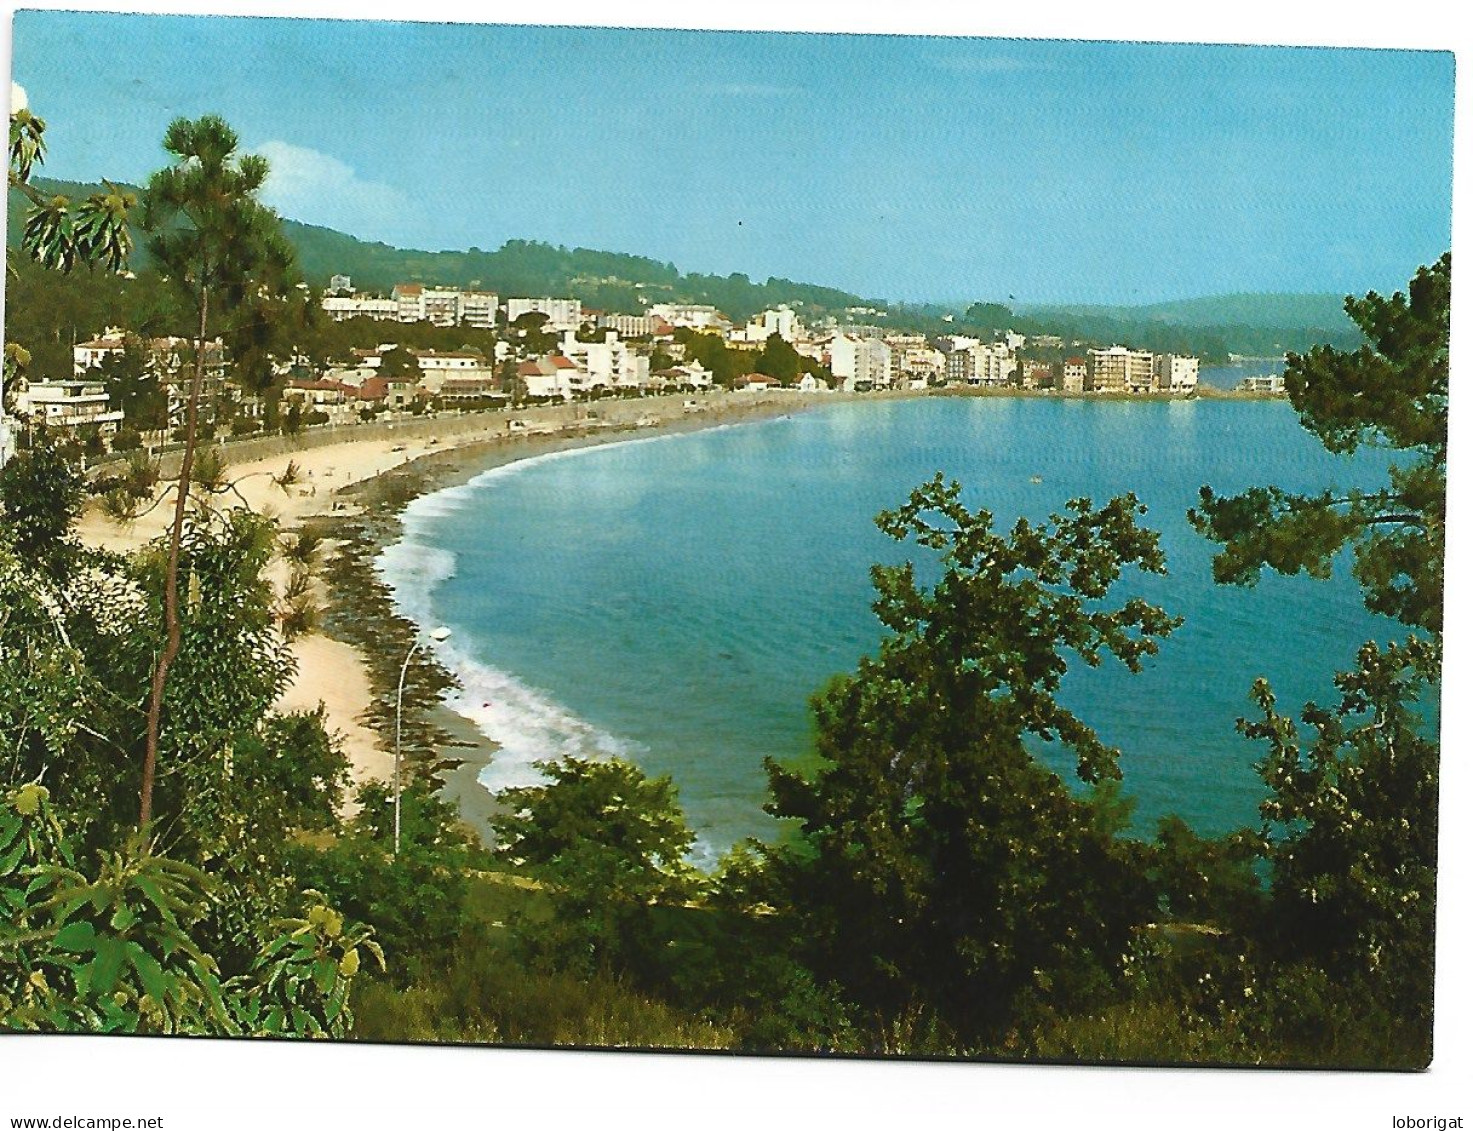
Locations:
438 635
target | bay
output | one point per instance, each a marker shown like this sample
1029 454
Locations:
677 599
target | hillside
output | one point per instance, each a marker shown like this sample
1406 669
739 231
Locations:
1256 311
1213 327
603 280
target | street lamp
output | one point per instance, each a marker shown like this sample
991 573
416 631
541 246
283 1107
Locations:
438 636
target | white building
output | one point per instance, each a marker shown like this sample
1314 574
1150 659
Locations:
438 366
635 325
981 363
1120 369
561 313
782 322
551 376
342 307
610 362
91 353
69 404
1076 372
441 306
690 315
1177 373
994 364
1272 383
859 363
954 343
478 309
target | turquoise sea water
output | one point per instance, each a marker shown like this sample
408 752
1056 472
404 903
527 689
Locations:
677 599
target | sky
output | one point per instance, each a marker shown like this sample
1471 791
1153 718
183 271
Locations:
902 168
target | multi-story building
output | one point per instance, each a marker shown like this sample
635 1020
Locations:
1271 383
69 404
859 363
340 284
409 301
414 302
561 313
915 359
1120 369
1076 373
478 309
952 343
91 353
436 367
994 364
782 322
170 360
609 363
1037 375
342 307
1177 373
690 315
635 325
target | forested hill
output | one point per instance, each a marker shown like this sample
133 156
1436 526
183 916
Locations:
1209 327
603 280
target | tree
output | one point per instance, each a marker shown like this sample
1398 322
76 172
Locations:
399 362
609 843
1350 826
1391 393
218 245
133 386
938 865
1350 817
41 494
779 359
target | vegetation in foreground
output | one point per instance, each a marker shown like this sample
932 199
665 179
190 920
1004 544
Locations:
173 856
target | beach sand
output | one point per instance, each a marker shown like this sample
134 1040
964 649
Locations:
446 450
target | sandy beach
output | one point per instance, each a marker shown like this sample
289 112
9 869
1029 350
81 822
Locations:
446 450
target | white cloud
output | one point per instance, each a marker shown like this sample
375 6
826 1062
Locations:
18 99
317 188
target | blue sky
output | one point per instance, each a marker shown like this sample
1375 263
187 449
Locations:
898 167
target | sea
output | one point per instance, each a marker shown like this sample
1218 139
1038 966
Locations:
676 599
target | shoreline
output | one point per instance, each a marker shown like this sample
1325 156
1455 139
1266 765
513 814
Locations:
368 483
468 750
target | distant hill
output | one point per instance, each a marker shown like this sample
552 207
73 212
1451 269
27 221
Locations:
1258 311
603 280
1261 324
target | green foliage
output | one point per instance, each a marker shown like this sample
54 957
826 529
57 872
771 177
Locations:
53 234
133 386
711 350
208 233
779 359
106 955
940 873
414 902
399 362
300 983
41 495
609 844
115 953
1206 880
1350 826
1392 393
